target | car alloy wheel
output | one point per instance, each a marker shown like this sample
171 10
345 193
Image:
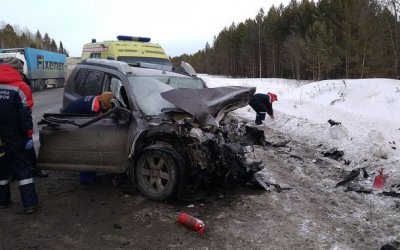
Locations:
157 175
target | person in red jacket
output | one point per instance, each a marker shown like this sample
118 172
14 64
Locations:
15 130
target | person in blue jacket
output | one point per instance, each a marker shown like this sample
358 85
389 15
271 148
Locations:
262 104
90 105
30 145
15 130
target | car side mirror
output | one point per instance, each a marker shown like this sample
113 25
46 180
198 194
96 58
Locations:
122 116
115 103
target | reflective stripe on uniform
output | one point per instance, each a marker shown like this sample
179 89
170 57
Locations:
16 86
96 104
4 182
25 182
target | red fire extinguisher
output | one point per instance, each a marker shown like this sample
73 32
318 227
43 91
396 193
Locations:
379 181
191 222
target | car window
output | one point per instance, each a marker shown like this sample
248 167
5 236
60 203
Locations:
79 81
95 55
147 91
115 86
119 91
93 83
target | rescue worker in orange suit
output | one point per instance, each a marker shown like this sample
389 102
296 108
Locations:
90 105
262 104
15 131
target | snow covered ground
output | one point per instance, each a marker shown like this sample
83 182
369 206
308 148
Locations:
368 110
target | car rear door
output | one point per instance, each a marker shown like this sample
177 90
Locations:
99 147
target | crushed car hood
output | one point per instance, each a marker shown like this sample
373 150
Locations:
209 105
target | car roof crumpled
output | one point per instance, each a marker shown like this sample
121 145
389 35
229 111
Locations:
205 105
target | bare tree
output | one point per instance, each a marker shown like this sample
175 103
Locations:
259 18
17 29
394 7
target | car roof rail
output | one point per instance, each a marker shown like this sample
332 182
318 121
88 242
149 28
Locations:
116 65
151 66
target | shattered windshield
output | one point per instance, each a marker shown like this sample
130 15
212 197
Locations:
180 82
147 94
147 90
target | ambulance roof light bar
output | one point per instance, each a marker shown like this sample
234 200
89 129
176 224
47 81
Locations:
133 38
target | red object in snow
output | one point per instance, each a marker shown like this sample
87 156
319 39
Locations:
191 222
379 180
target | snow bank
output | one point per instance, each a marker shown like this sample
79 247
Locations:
368 110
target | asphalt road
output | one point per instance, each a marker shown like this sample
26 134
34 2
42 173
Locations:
46 101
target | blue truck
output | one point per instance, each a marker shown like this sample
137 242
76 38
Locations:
42 68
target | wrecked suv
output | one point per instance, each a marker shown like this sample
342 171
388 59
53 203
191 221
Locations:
166 131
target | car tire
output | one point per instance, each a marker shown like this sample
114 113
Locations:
157 175
60 84
41 85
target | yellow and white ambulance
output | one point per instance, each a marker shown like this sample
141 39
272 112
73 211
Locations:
129 49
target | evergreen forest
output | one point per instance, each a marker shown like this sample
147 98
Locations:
308 40
14 37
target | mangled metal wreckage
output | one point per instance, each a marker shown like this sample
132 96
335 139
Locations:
180 139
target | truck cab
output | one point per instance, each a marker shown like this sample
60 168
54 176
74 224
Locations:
17 53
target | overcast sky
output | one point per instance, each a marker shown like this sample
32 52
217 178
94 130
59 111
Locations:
179 26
